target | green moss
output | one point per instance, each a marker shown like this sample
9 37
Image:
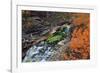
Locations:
57 36
54 39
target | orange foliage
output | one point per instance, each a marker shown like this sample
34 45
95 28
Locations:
81 18
65 57
80 41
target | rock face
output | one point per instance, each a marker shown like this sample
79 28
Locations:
48 50
50 36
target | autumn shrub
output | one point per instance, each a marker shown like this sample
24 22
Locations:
80 41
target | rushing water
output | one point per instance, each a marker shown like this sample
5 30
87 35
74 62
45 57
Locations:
38 52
